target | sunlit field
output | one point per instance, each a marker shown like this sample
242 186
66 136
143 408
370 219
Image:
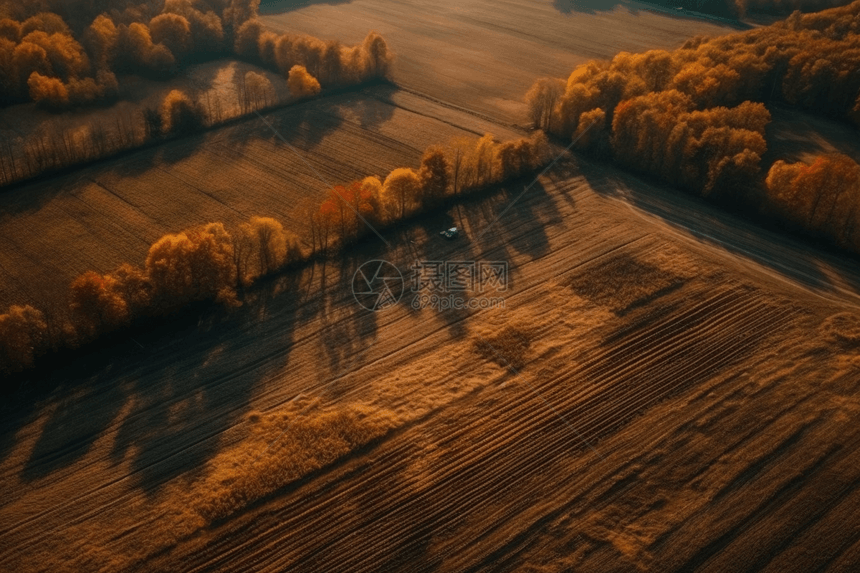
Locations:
463 286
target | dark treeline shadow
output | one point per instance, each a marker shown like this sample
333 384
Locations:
268 7
589 6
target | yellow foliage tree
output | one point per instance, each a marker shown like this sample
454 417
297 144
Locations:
542 99
180 114
301 83
50 92
822 198
196 264
434 174
399 192
173 31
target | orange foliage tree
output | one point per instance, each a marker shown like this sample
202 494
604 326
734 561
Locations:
181 114
302 84
96 304
716 151
196 264
822 198
434 175
23 335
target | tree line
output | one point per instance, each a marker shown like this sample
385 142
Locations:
821 198
44 59
60 144
210 262
695 117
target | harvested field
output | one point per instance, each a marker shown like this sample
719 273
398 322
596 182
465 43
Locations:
102 216
666 388
484 55
629 436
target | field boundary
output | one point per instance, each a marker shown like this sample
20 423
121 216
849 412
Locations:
154 143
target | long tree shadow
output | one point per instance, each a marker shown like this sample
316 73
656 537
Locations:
350 328
303 125
78 418
520 218
589 6
268 7
741 234
794 135
163 398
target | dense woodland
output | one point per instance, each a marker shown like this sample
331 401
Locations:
696 117
213 263
64 53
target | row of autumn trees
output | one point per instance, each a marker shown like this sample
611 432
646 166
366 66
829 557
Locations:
60 145
60 65
695 117
212 263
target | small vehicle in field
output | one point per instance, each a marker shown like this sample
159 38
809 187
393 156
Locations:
451 233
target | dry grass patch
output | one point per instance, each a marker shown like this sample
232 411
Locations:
623 282
283 446
844 328
508 346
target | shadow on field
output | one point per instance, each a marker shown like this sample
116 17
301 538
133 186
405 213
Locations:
589 6
796 136
520 205
715 227
427 248
495 226
32 198
374 105
268 7
162 399
305 125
